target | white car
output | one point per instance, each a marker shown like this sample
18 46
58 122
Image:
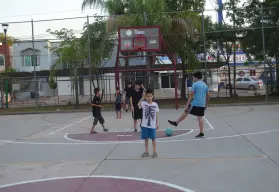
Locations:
250 83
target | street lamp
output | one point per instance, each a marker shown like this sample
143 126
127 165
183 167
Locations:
5 28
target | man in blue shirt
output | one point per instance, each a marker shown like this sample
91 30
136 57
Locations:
197 102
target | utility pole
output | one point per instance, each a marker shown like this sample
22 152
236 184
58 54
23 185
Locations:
89 57
204 47
234 49
33 63
264 53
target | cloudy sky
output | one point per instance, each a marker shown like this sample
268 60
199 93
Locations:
19 10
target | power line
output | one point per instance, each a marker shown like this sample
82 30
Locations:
127 15
46 13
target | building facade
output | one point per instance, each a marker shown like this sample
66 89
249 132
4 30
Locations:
5 60
43 58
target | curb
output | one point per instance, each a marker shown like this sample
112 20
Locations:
111 109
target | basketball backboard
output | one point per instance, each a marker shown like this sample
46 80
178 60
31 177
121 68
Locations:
133 39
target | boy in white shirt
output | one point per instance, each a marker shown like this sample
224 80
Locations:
149 123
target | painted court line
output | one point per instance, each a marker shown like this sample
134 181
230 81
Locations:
103 176
69 125
133 141
130 142
208 123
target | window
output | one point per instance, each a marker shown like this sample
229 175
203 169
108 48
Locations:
65 65
246 79
30 60
238 79
2 61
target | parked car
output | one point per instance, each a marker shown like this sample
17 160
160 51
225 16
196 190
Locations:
250 83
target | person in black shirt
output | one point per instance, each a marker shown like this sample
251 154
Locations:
96 110
135 97
128 91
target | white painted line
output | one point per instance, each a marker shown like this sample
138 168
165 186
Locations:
60 129
69 125
131 142
208 123
102 176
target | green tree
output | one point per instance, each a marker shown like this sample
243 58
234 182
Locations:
220 39
10 39
102 44
140 12
251 39
69 51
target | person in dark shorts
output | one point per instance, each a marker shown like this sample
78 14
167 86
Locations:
96 110
128 91
118 103
134 100
197 103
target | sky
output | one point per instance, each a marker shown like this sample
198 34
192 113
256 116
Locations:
19 10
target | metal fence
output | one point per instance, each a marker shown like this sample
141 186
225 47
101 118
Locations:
248 83
35 41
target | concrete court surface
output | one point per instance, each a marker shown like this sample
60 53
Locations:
239 153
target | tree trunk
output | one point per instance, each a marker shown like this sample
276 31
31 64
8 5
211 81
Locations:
230 83
81 86
76 93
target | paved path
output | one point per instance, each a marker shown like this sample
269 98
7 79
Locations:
239 153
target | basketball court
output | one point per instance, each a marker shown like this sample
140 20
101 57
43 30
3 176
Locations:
55 152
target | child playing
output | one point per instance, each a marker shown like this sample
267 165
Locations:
135 97
96 110
149 122
118 103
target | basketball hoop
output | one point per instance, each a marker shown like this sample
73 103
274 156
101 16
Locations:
139 42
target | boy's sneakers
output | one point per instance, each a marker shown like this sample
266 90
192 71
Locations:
200 135
135 130
93 132
105 130
145 154
173 123
154 155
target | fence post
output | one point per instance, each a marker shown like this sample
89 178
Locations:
264 53
33 63
89 57
7 93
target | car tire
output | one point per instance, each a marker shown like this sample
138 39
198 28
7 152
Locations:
251 87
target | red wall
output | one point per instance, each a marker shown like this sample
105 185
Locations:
2 51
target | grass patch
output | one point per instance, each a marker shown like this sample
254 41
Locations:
162 103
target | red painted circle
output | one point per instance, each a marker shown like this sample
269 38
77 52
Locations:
118 136
94 184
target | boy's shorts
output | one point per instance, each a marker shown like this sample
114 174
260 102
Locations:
196 111
127 101
98 118
148 133
137 113
118 106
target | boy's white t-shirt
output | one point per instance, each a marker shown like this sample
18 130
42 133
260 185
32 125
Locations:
149 114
